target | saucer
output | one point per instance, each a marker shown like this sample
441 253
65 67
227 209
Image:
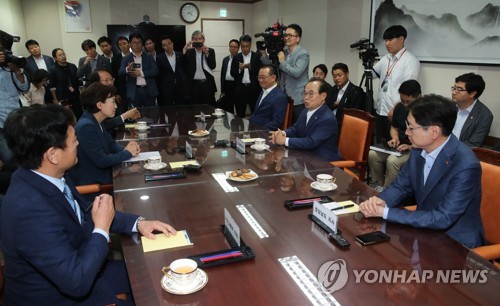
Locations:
316 186
218 115
260 149
200 281
158 167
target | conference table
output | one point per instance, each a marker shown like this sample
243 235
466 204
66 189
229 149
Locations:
289 248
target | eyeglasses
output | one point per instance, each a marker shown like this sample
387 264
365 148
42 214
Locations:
459 89
287 35
262 78
309 94
411 129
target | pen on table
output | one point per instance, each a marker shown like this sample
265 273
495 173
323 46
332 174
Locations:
342 207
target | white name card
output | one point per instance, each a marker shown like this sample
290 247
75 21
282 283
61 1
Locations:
189 150
231 226
240 145
329 218
202 117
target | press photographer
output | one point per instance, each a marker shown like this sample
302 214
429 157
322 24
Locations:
274 41
12 82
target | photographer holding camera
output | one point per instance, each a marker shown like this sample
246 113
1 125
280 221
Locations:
12 82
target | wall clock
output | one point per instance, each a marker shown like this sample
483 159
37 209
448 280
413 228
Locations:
189 12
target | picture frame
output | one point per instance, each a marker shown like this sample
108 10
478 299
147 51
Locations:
77 16
445 31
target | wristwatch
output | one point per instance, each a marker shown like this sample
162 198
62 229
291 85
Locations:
137 223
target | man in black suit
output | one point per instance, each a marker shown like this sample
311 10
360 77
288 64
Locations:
36 60
92 61
123 45
199 63
344 94
107 51
170 72
227 83
244 69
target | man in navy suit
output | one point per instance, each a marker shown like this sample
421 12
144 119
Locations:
442 173
36 60
244 68
54 242
170 73
271 104
316 128
227 82
92 61
141 71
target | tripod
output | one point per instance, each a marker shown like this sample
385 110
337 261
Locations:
368 79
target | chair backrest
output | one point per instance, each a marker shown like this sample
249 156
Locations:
490 201
94 188
288 115
356 134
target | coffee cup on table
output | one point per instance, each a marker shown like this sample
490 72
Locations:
260 143
325 181
219 112
141 125
154 160
182 271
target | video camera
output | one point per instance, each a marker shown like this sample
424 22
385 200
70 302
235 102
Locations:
274 40
367 52
7 40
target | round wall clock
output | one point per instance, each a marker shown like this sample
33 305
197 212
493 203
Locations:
189 12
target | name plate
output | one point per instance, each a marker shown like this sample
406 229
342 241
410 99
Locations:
323 213
166 118
231 226
202 117
240 145
189 150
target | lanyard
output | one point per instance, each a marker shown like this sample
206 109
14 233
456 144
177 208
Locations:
389 69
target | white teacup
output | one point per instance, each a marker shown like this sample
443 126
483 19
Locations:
260 143
141 125
154 160
325 181
219 112
183 271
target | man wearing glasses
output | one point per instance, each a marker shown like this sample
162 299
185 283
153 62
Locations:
442 173
473 118
316 128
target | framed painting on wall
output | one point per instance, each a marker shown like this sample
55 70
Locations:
77 16
446 31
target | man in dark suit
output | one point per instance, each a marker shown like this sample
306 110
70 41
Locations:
141 71
244 69
473 118
123 45
171 74
227 82
36 60
316 128
106 47
344 94
199 63
91 62
271 104
54 242
442 173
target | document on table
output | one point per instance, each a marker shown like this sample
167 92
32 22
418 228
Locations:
350 207
180 164
142 156
163 242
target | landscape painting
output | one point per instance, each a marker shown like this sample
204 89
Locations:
450 31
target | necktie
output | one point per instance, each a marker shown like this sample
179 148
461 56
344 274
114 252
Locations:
71 200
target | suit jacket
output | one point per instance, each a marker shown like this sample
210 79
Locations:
190 69
31 64
271 111
296 74
50 258
149 69
255 65
171 83
320 135
451 198
353 97
477 126
97 153
84 71
225 63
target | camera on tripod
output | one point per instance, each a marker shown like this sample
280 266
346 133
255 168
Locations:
274 40
7 40
367 52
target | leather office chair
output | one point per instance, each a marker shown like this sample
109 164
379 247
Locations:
490 203
94 188
355 141
288 115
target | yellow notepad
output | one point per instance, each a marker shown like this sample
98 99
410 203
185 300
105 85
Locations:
130 125
349 210
180 164
163 242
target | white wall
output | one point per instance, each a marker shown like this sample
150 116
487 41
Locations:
12 22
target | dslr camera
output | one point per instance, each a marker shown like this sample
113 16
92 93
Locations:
367 52
7 40
274 40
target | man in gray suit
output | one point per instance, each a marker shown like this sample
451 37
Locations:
92 61
473 118
294 64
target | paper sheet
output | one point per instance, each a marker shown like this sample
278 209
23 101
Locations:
180 164
248 140
344 211
163 242
142 156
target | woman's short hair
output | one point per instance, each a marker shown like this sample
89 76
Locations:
95 93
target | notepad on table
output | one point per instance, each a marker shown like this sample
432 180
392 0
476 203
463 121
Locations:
348 210
142 156
180 164
163 242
